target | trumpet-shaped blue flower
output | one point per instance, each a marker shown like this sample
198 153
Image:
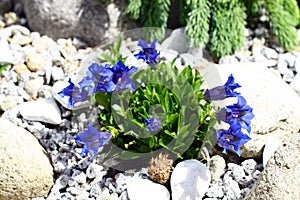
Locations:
92 140
238 115
121 76
232 139
99 78
153 124
222 92
148 53
75 94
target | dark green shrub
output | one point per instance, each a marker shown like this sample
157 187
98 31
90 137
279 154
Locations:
219 24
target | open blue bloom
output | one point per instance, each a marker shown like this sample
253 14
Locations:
232 139
222 92
238 115
75 94
121 76
92 140
153 124
99 78
148 53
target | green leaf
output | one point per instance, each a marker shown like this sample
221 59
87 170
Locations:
144 149
3 66
103 99
152 142
172 118
107 57
172 134
126 155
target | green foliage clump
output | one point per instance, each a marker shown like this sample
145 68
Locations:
219 24
170 95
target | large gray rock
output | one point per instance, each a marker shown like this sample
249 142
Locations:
275 104
5 6
25 170
87 19
280 178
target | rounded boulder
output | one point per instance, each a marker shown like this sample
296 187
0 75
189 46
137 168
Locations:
25 170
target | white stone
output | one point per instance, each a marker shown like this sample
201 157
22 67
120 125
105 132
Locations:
289 58
297 63
270 148
168 54
243 55
10 56
228 59
194 61
45 92
190 180
249 166
237 171
80 178
231 188
275 104
7 103
295 84
215 191
43 110
217 166
269 62
95 170
270 53
131 60
288 76
257 47
33 86
147 190
57 73
177 41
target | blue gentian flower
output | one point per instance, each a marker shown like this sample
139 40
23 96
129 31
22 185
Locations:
238 115
75 94
232 139
153 124
148 53
99 78
121 76
92 140
222 92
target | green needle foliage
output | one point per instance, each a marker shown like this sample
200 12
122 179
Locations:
292 9
283 19
153 13
227 27
199 15
219 24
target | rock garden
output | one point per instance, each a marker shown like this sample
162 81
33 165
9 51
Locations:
89 105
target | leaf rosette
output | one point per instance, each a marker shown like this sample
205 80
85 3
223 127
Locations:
170 95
